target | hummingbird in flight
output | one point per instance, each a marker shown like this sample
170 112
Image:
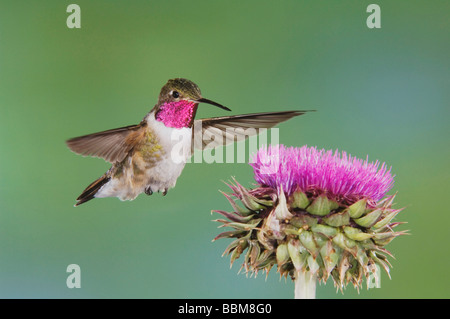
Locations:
141 154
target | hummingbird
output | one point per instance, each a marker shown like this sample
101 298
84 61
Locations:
141 154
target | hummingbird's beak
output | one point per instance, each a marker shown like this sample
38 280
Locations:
203 100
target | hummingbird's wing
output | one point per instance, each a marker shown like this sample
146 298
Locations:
112 145
219 131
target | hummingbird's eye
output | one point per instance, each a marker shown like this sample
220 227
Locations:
175 94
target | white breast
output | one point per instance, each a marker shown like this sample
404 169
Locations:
176 146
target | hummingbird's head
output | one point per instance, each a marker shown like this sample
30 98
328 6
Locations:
178 102
179 89
176 90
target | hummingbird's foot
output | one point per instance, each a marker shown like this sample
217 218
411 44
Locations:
165 191
148 191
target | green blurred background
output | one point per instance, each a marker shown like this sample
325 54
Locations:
382 92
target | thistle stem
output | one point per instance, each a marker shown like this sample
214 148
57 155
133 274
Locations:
305 285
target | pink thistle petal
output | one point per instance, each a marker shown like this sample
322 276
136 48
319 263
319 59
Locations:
338 175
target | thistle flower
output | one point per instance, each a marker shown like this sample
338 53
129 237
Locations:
315 214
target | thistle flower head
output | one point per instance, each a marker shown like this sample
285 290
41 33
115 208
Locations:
339 176
312 211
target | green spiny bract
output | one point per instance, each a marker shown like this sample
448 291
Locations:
309 232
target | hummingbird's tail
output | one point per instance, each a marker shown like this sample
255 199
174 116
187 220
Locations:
92 189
